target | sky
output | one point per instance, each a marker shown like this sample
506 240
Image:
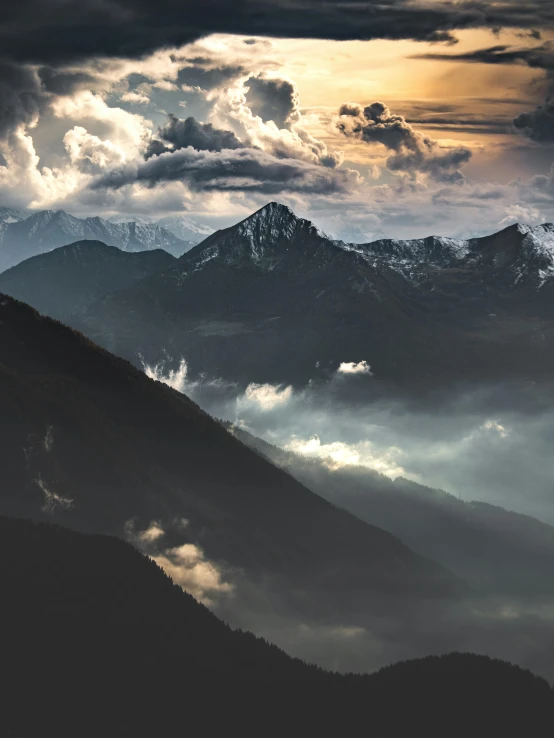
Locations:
398 119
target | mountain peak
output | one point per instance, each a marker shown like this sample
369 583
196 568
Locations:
272 212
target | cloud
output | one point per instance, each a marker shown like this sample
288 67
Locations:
338 454
180 134
273 99
413 152
153 533
174 378
537 57
36 31
350 367
21 97
264 397
248 170
522 214
538 124
185 564
188 567
90 154
483 442
265 110
135 97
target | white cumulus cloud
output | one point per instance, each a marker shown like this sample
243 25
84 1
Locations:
350 367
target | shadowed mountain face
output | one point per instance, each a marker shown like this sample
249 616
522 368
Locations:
93 441
497 551
24 237
273 299
101 642
78 274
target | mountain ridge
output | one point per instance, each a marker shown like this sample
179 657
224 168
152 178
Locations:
79 273
45 230
281 283
95 621
77 420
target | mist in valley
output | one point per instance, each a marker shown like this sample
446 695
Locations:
488 443
464 478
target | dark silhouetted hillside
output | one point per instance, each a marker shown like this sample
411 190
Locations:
90 441
98 641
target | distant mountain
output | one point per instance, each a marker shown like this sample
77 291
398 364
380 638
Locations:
185 228
498 552
11 215
102 643
7 216
89 439
49 229
274 299
182 226
70 277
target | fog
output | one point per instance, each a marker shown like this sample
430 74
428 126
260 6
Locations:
489 443
485 443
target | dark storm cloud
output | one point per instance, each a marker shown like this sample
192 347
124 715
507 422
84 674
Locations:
538 57
538 124
250 170
178 134
413 152
273 99
63 82
201 73
20 96
57 30
25 91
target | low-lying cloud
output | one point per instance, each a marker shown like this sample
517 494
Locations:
351 367
186 564
244 169
485 443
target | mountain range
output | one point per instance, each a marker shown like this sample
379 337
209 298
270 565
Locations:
101 642
272 299
91 441
23 236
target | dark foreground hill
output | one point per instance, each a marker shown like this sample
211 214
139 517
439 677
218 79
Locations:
88 440
96 640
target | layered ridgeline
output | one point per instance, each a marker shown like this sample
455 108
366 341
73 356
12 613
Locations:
87 439
23 235
79 274
498 552
98 641
274 299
